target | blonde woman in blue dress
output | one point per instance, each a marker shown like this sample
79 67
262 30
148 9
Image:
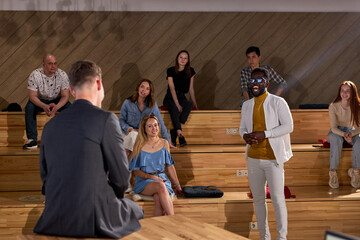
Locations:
150 156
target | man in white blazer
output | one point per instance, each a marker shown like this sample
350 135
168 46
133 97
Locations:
266 124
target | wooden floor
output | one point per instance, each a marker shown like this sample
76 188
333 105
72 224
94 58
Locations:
177 227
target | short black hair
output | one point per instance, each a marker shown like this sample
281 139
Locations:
83 72
253 49
261 70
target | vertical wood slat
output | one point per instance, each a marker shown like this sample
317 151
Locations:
310 50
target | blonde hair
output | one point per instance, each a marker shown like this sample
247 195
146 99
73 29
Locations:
142 137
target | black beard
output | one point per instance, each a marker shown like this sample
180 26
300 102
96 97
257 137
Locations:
261 92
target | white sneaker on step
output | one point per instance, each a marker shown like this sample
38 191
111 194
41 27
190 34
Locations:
355 177
333 181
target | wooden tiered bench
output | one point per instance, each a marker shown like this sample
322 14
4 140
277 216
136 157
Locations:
314 210
203 127
214 154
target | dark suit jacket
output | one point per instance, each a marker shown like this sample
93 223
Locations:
85 173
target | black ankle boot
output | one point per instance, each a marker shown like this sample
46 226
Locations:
173 135
182 141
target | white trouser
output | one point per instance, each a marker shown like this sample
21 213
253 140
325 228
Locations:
259 172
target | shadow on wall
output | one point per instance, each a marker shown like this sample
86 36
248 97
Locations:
129 78
205 84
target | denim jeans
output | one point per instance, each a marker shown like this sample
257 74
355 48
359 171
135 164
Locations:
30 116
259 172
336 144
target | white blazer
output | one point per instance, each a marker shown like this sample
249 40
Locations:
279 125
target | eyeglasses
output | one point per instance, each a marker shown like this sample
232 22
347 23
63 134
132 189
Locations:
258 80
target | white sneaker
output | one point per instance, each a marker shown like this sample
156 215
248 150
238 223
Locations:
333 181
355 178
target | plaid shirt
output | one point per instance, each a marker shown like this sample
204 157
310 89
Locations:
245 75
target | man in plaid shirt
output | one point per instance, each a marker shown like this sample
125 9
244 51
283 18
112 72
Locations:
253 57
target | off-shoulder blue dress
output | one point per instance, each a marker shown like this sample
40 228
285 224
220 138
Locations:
152 163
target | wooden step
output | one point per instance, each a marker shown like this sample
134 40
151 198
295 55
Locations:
316 208
203 127
195 165
19 169
176 227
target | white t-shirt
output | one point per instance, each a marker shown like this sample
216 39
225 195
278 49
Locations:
48 88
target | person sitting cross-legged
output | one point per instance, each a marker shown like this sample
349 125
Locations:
150 157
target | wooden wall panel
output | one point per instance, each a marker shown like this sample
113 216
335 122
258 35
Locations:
314 52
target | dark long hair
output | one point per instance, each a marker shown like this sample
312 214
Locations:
354 102
187 66
150 99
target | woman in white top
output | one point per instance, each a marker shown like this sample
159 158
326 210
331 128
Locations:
344 114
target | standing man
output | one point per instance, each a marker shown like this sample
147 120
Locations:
266 124
48 92
253 57
84 167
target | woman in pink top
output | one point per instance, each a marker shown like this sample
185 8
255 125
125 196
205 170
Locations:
344 113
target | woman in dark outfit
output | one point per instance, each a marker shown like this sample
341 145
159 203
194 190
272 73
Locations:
181 81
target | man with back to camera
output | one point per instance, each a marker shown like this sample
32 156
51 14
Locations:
253 58
84 167
49 92
266 124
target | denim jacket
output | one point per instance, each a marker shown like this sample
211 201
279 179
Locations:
130 116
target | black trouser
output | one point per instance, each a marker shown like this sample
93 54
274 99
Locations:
176 118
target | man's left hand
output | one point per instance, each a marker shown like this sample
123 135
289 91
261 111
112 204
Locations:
54 108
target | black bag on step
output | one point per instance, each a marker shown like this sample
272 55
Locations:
202 192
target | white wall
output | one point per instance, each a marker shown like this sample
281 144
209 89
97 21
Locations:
184 5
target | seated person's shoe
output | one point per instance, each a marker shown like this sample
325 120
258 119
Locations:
182 141
333 181
30 144
173 135
355 178
128 190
